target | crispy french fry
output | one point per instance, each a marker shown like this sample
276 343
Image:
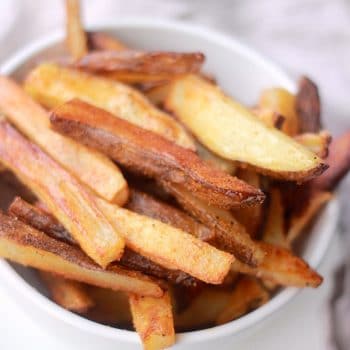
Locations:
150 154
274 230
301 220
98 41
203 310
76 38
75 207
308 106
158 93
89 166
153 321
69 294
282 102
43 221
52 85
230 235
247 295
280 266
233 132
316 143
111 307
25 245
270 117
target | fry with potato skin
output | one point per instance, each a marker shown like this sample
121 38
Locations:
75 207
233 132
98 41
150 154
52 85
90 167
25 245
69 294
153 321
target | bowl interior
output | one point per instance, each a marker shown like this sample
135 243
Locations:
240 72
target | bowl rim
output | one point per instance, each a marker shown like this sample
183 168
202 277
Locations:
233 327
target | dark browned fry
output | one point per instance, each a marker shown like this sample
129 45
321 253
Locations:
151 155
308 106
98 41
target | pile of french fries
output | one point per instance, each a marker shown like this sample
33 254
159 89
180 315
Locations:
160 203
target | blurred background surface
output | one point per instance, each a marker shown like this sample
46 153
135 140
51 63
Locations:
304 37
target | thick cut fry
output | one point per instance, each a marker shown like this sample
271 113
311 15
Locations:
168 246
98 41
157 94
43 221
233 132
89 166
308 106
316 143
23 244
274 230
69 294
69 202
230 235
339 162
282 102
150 154
76 38
280 266
269 117
247 295
52 85
111 307
163 64
203 310
153 321
301 220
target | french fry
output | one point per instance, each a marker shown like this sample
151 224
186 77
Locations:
69 294
69 202
308 106
76 38
153 321
274 230
46 223
158 93
316 143
281 267
247 295
150 154
282 102
52 85
23 244
111 307
216 120
90 167
230 235
98 41
269 117
301 220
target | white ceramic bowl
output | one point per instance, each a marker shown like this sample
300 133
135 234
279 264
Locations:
242 73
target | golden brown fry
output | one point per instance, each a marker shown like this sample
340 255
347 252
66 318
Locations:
76 38
280 266
233 132
98 41
308 106
150 154
52 85
230 235
75 207
269 117
69 294
203 310
301 220
274 230
316 143
90 167
282 102
23 244
153 321
247 295
158 93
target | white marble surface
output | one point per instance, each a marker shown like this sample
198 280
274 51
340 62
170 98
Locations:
303 36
